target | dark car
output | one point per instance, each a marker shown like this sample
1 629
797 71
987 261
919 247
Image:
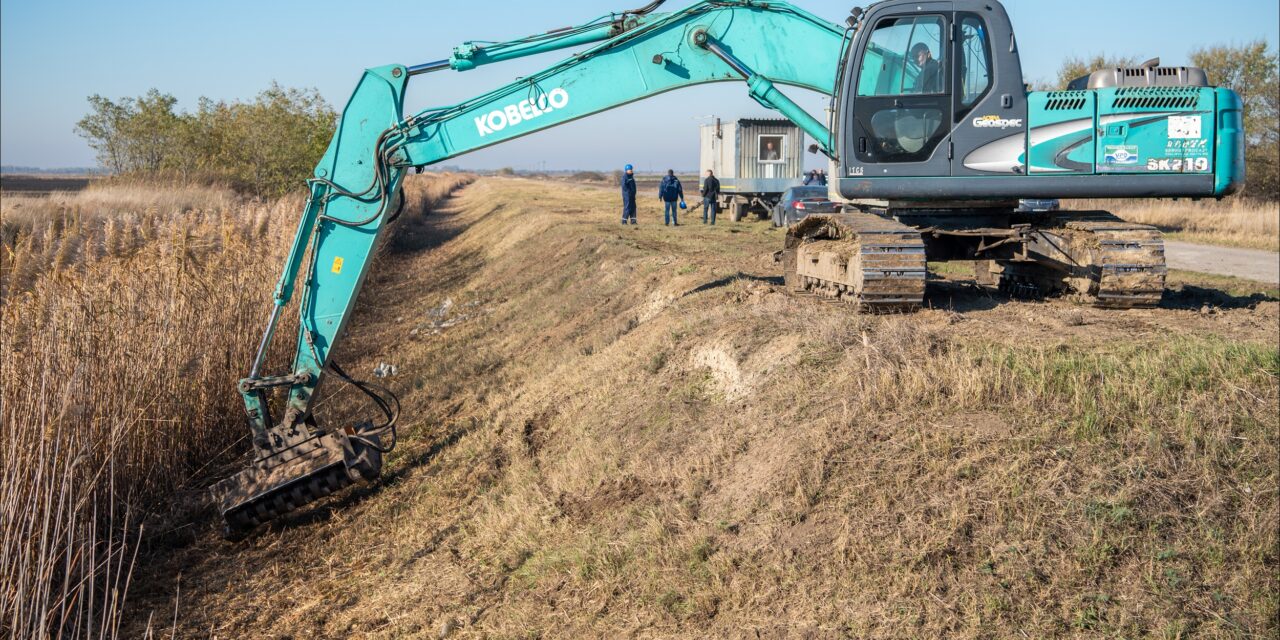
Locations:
798 202
1031 205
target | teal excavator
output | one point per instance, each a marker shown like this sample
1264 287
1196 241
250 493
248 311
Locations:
932 138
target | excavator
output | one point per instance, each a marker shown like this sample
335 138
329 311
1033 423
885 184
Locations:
931 137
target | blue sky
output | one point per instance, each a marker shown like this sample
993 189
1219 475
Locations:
55 53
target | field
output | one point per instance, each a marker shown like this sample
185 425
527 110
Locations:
618 431
1231 223
23 185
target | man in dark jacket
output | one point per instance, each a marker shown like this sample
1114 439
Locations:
628 196
710 191
670 192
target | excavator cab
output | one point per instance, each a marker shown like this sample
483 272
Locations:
935 90
916 74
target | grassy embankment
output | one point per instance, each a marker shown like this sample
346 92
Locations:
616 431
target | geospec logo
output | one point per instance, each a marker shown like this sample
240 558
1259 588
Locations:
996 122
514 114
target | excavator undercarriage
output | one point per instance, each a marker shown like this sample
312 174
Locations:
877 261
873 263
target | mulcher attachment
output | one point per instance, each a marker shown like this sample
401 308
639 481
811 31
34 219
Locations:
871 262
285 480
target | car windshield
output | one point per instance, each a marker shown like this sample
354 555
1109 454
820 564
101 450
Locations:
808 193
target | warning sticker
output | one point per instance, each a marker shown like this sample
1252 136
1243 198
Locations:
337 264
1182 127
1120 154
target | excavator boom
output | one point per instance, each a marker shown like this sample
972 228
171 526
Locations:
356 190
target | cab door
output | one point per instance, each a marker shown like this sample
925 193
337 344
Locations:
902 94
989 134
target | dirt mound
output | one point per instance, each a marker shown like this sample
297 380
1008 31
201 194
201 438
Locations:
637 432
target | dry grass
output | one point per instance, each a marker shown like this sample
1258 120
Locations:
109 199
636 432
128 314
1236 222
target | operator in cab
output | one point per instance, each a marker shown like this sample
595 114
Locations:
710 192
628 195
930 78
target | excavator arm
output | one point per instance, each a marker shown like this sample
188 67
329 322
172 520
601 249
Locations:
355 191
756 42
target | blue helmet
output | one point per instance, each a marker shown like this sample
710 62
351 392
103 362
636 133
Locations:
627 168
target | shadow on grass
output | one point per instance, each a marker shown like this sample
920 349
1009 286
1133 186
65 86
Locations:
426 230
1194 297
961 296
324 510
727 280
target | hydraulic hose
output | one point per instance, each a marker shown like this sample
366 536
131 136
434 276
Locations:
386 400
648 8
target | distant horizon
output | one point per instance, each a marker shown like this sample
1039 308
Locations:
22 169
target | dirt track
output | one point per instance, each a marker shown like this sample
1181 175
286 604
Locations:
1251 264
636 432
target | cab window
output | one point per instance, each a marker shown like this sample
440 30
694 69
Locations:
904 57
975 62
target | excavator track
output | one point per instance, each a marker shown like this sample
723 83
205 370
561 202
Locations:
873 263
1115 264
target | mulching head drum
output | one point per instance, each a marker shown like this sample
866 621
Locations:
282 482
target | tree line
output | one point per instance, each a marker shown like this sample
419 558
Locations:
1250 70
265 146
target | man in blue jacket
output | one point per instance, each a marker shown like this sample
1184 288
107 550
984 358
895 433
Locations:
670 192
628 196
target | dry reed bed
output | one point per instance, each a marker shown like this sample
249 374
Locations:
128 313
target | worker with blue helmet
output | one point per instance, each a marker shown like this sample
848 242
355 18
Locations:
628 195
671 192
